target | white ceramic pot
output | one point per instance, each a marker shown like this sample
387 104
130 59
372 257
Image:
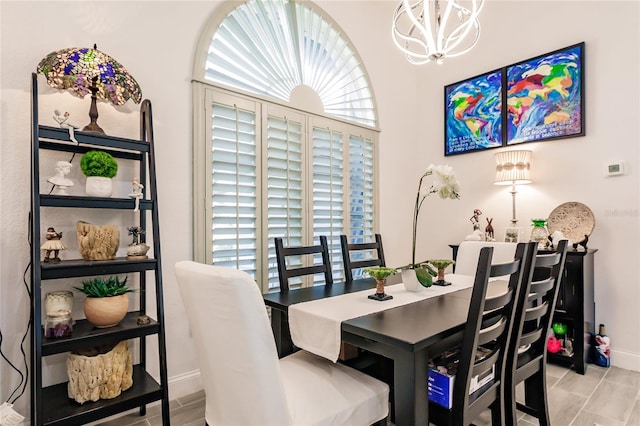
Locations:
106 312
98 186
410 280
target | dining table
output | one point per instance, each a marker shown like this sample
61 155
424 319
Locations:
408 335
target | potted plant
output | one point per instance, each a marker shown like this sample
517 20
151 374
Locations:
441 265
380 274
107 302
417 275
99 167
136 250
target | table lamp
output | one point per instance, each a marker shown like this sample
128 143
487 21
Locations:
87 70
513 168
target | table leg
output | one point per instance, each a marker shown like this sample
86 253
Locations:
410 388
281 332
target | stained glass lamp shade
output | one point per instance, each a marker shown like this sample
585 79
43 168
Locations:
84 70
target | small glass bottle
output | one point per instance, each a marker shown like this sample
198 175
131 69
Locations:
539 233
58 324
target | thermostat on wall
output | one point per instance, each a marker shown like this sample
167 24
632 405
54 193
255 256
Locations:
615 169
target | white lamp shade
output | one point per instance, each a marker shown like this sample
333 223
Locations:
513 167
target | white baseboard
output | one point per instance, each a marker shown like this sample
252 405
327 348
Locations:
185 384
626 360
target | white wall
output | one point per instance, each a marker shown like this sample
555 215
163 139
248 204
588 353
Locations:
563 170
156 42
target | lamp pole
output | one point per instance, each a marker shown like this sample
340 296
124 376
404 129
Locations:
514 221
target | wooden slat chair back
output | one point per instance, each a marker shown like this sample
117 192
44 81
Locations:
488 326
350 265
528 350
284 273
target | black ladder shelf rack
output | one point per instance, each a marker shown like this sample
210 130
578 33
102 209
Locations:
50 405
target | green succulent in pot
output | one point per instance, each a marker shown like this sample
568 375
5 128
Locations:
104 287
99 167
107 302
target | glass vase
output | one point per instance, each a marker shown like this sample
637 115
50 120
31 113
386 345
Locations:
539 233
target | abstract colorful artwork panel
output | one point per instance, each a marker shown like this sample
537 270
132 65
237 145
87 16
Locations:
545 98
473 114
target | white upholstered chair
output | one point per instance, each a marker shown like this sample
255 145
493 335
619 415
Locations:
469 252
244 382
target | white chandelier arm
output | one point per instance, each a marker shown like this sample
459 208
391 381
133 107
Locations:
424 28
475 40
424 33
464 28
403 41
442 24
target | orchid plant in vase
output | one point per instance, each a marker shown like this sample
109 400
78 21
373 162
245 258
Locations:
446 186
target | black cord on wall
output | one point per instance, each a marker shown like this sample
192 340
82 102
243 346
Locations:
24 378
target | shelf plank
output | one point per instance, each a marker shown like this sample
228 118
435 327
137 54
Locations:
85 335
59 410
63 143
85 268
92 202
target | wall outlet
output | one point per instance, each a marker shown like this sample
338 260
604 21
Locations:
614 169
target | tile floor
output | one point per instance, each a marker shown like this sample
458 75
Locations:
602 397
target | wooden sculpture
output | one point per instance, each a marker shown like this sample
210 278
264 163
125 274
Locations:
97 242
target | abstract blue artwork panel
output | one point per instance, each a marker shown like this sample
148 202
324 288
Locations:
473 114
545 96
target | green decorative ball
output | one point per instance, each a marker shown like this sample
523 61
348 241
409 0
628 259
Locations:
98 163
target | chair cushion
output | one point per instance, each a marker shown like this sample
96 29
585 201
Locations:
469 251
319 392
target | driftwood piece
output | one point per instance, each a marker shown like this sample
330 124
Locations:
102 376
97 242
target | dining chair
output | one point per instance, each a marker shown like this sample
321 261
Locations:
527 357
285 271
360 250
244 381
487 328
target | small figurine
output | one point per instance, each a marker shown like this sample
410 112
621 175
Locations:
488 231
136 194
62 120
52 244
555 238
475 219
59 180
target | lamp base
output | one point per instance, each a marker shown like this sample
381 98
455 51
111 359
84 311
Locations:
93 128
441 283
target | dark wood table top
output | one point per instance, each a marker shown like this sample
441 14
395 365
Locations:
415 326
410 327
282 300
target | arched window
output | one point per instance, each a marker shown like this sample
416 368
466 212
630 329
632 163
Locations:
284 137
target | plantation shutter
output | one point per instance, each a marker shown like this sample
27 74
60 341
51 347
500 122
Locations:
361 193
285 193
234 197
328 192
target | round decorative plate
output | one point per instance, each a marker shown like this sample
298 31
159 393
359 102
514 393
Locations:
574 220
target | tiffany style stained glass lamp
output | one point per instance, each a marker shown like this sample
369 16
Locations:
84 70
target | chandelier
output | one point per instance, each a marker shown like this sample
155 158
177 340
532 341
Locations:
430 30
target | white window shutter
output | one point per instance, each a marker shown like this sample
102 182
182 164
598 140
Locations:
284 188
233 195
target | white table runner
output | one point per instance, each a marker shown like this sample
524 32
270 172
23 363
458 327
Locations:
315 326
